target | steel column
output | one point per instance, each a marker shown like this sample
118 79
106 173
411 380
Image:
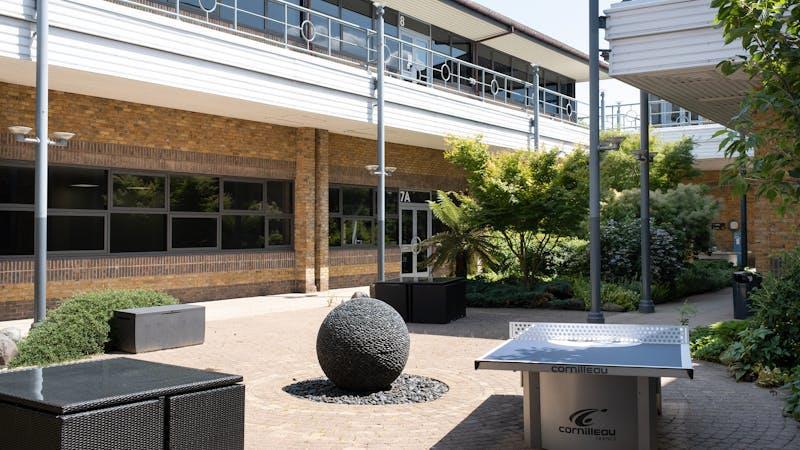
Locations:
40 225
595 314
646 304
743 229
536 106
602 110
380 68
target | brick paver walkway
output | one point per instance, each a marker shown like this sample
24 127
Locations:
271 342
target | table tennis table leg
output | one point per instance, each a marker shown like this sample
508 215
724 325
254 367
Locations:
532 409
647 409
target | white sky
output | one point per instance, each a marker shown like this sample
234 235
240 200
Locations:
567 21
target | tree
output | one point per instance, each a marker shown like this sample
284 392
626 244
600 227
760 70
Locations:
531 199
769 118
462 242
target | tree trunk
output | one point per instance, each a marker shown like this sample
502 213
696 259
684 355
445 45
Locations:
462 266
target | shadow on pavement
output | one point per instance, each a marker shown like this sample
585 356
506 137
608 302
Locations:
496 423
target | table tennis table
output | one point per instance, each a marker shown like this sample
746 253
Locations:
591 386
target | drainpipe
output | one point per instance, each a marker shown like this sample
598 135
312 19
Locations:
595 314
379 9
535 106
646 304
40 226
603 110
743 227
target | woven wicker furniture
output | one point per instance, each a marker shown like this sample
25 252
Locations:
121 403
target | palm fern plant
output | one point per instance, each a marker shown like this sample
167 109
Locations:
462 243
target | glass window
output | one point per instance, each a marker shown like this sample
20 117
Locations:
416 25
334 232
280 231
16 232
333 201
354 39
277 13
254 17
138 233
75 188
243 196
75 233
392 201
392 232
279 197
242 232
17 185
194 193
139 191
357 201
358 232
193 232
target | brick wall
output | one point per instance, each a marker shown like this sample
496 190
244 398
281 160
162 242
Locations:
126 135
768 232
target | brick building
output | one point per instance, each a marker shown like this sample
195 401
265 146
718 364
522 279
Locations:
220 148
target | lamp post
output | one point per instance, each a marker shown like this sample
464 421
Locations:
381 169
535 106
595 314
42 141
646 304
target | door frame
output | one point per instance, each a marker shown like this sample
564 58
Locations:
407 248
405 72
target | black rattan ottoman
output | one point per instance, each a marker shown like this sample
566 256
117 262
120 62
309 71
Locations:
121 404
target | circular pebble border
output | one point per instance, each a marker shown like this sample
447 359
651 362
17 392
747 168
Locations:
405 389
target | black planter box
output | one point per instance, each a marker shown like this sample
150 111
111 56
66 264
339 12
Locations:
424 300
140 330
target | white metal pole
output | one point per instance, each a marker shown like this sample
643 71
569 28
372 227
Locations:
381 146
40 226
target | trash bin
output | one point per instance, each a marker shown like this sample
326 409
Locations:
743 284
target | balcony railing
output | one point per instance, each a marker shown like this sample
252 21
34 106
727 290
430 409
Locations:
277 22
663 114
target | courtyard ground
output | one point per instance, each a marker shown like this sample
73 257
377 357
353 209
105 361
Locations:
271 342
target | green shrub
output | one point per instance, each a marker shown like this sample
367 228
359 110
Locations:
621 251
703 276
792 407
80 326
708 343
569 257
618 294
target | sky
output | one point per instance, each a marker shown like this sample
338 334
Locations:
567 21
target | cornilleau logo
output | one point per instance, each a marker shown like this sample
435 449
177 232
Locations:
584 418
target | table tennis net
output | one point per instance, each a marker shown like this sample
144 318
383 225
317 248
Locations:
589 332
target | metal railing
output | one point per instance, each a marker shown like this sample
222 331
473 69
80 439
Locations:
291 26
663 114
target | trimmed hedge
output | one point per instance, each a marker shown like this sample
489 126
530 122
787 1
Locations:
80 326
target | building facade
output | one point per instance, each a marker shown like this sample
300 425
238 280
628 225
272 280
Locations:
221 146
671 49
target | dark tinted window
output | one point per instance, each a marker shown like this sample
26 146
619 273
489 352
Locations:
335 231
75 233
75 188
391 203
194 193
16 232
392 232
358 232
279 197
243 196
242 232
138 233
194 232
17 185
139 191
333 201
357 201
280 231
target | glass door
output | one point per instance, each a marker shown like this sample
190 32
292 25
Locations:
414 64
415 227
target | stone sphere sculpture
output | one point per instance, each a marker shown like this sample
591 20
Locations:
363 345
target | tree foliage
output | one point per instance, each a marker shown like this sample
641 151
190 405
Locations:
531 199
462 242
769 119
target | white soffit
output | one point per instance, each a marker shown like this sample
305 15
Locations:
472 25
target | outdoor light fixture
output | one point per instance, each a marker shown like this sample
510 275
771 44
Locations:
611 144
373 170
59 138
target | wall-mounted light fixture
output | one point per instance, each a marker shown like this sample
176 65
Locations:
373 170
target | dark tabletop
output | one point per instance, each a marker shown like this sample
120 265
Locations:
99 384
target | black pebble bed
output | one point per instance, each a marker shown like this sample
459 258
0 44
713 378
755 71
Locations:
405 389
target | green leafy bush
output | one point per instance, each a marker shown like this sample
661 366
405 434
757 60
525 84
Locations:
80 326
792 407
621 251
622 295
708 343
702 276
685 211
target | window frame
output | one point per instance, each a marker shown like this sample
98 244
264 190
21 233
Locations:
166 211
341 217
